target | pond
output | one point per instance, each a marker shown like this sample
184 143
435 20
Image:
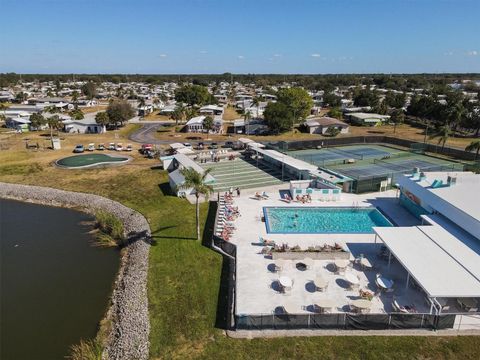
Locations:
54 285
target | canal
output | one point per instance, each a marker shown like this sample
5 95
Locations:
54 285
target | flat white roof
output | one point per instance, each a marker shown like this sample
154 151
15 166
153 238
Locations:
438 271
464 195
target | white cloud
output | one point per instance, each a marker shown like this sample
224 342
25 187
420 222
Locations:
162 55
277 55
315 55
240 57
448 53
472 53
203 51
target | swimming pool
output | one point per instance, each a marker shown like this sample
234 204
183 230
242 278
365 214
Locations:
323 220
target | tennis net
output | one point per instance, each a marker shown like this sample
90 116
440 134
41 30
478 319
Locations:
349 154
392 166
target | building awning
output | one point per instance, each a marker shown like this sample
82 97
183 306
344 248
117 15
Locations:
437 269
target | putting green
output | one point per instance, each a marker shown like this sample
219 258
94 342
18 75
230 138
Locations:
89 160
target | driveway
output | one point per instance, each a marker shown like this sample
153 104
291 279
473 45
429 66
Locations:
146 134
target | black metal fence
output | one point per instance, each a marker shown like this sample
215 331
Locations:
345 321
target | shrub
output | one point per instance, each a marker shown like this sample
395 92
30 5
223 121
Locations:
86 350
111 232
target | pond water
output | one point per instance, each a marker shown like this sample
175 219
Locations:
54 285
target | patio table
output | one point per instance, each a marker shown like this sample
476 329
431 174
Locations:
285 281
320 282
352 278
384 283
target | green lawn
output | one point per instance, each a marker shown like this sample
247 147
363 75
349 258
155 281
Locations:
184 280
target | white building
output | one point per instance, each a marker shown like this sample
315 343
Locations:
196 124
320 125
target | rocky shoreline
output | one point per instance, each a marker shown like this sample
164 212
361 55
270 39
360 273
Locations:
128 310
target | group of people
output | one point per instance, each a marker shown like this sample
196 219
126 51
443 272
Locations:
231 192
262 196
229 214
304 198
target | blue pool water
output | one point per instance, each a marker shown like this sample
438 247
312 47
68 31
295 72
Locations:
322 220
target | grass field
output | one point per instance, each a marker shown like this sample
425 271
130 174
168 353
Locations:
184 276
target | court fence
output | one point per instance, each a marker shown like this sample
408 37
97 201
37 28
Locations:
372 139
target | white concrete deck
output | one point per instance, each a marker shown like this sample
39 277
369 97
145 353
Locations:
257 282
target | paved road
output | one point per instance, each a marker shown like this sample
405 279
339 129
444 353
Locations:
146 134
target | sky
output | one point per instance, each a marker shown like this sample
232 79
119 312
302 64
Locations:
241 36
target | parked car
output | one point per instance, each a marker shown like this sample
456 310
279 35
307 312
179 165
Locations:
200 146
111 146
101 147
91 147
213 145
129 147
119 147
79 149
187 145
145 148
229 144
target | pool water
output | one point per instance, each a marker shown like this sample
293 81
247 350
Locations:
322 220
87 160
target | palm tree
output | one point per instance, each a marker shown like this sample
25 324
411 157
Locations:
196 181
443 133
53 123
474 146
256 102
247 116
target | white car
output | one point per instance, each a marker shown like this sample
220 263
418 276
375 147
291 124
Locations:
111 146
91 147
187 145
119 147
129 147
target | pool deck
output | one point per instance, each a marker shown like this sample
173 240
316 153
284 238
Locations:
256 291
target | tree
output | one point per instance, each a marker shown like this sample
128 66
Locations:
37 120
21 97
247 117
77 114
119 112
332 100
397 117
332 131
335 113
89 89
365 97
278 117
54 123
297 100
474 146
208 123
197 182
396 101
102 118
442 133
75 98
192 95
51 109
141 102
178 114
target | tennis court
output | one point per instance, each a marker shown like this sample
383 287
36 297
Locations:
338 155
369 165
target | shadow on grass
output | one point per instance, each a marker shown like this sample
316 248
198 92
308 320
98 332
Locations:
221 318
157 234
165 189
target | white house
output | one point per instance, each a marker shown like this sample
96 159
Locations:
367 118
84 126
175 164
211 110
196 124
320 125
